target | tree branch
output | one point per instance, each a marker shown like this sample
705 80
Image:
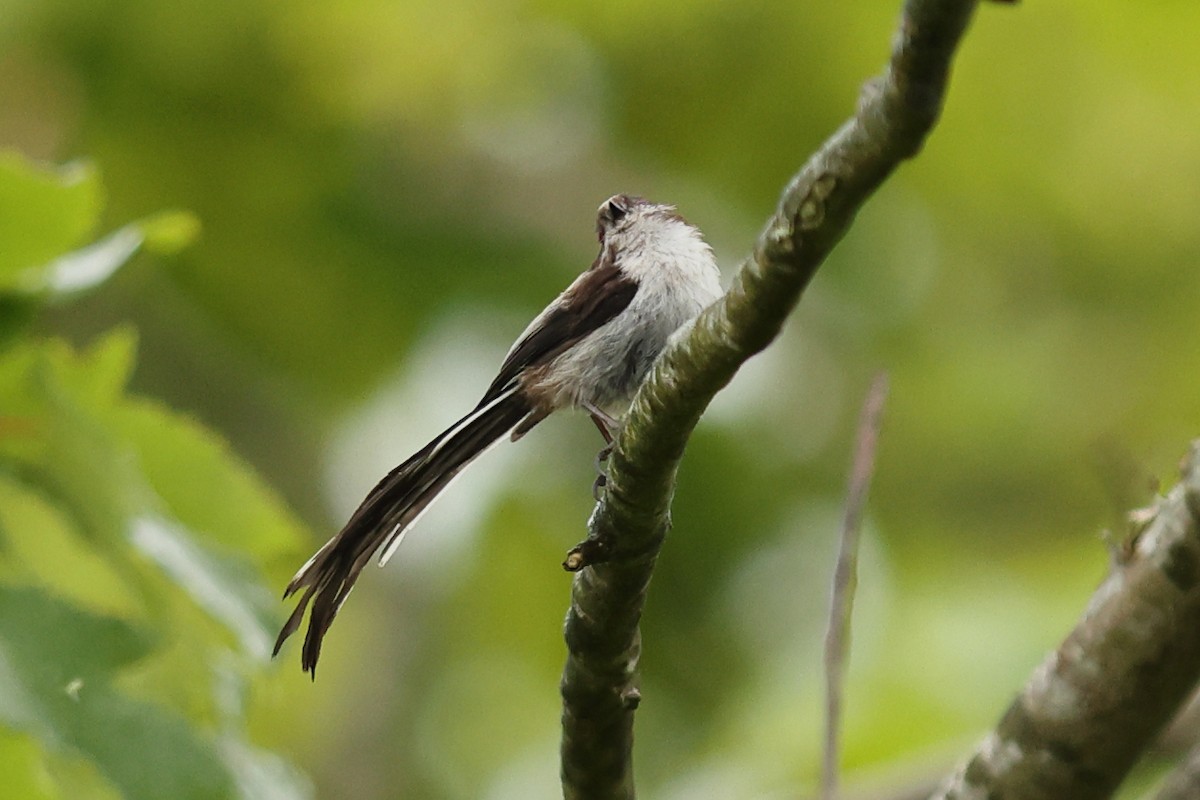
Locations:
1097 702
895 113
1183 783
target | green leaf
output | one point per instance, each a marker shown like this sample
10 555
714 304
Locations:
135 478
227 588
132 541
188 467
86 268
44 211
56 667
260 774
54 557
21 764
83 269
52 647
168 232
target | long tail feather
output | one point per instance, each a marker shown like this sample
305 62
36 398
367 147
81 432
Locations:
387 512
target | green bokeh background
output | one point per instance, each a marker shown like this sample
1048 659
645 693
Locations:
389 190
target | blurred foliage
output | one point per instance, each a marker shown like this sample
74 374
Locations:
389 190
133 614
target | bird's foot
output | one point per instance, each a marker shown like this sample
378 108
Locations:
601 471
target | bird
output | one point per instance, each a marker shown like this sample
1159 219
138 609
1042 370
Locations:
589 349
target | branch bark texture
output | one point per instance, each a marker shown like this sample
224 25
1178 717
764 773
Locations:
896 111
1097 702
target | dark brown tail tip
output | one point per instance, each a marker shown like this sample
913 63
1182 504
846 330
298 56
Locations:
312 650
288 629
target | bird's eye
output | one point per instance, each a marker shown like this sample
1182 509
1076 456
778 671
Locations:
615 210
611 212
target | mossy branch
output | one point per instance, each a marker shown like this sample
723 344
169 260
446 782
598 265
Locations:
896 112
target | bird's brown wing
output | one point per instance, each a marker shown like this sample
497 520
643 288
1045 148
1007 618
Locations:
592 300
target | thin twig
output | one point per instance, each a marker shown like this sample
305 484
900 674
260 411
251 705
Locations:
845 578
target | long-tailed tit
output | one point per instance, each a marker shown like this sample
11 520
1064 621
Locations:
590 349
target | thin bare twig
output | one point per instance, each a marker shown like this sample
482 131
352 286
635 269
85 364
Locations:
845 578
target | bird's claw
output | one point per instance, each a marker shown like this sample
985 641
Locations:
601 473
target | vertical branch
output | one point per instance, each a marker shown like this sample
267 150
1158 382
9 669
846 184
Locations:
895 114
